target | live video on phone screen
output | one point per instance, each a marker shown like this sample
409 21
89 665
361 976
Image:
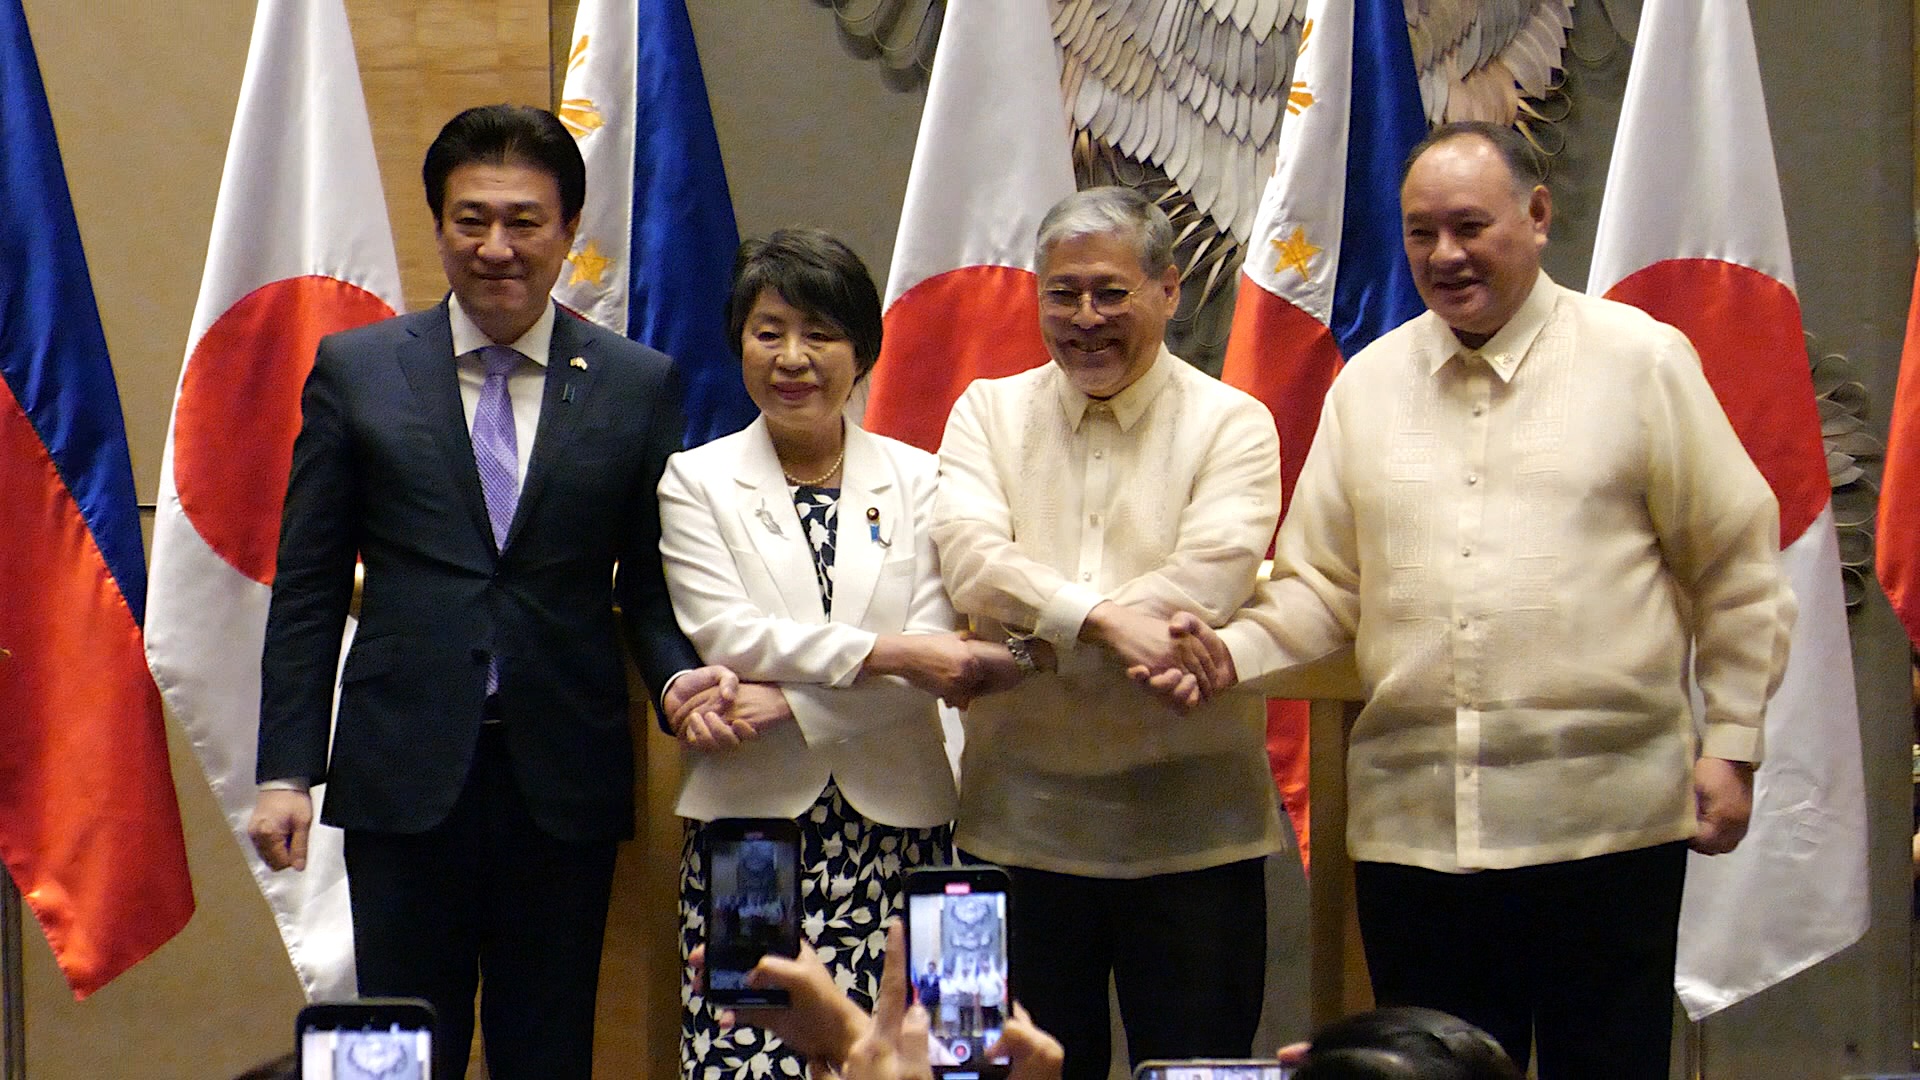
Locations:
753 882
1218 1071
959 970
394 1053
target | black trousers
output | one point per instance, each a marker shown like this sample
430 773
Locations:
486 895
1187 953
1576 955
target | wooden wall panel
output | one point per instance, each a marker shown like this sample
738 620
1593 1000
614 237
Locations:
422 61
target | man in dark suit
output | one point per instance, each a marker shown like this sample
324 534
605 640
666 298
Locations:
489 461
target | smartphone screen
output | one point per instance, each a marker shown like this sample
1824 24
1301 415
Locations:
957 964
1251 1069
753 905
362 1040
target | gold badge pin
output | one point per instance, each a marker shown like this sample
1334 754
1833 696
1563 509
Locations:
579 362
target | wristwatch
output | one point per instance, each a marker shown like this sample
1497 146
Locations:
1022 650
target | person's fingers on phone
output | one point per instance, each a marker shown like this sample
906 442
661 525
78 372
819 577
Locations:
892 1002
820 1021
1031 1053
913 1045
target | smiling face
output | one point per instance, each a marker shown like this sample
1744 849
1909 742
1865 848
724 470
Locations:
502 242
799 368
1473 240
1103 345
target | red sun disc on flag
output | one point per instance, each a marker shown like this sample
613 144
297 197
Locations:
239 409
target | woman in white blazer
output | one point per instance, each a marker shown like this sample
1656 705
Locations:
797 555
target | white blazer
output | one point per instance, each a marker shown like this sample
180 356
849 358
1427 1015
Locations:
741 576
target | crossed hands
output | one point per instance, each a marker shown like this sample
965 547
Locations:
822 1025
1179 658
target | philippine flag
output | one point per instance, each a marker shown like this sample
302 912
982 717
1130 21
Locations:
1324 273
300 249
1692 231
89 826
992 157
654 255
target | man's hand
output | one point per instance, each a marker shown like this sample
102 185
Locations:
944 665
1031 1054
1201 650
1141 640
757 708
1723 801
279 827
708 691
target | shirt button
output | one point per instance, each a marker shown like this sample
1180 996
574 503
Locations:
1093 520
1466 553
1086 576
1479 409
1472 479
1099 455
1461 622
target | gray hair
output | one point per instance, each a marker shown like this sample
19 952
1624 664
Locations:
1104 210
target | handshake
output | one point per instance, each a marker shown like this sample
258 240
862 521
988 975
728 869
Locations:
1178 656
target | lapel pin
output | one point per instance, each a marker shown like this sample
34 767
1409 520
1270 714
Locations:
873 527
578 362
766 518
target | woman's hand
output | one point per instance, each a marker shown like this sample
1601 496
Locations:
944 665
756 709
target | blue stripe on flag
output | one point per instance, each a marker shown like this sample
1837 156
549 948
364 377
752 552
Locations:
684 234
1373 291
53 354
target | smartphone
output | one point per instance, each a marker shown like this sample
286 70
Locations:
753 904
389 1038
1213 1069
957 952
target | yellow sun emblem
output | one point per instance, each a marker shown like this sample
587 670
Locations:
588 265
580 115
1294 252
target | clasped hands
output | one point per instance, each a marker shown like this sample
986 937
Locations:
711 709
1177 656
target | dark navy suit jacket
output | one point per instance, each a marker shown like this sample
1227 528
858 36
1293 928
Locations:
383 470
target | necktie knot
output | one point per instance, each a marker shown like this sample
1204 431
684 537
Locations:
499 359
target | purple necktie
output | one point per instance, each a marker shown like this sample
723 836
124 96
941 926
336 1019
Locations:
495 447
496 450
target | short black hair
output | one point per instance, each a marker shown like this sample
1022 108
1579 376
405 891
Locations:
1405 1042
1523 161
499 134
812 270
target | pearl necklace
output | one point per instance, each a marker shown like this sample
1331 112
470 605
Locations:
816 481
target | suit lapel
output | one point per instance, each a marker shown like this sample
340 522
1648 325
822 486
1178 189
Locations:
571 377
426 359
765 506
869 508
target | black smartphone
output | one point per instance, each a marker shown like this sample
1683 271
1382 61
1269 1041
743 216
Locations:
389 1038
957 951
1213 1069
753 904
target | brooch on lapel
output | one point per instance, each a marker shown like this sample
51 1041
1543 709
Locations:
578 362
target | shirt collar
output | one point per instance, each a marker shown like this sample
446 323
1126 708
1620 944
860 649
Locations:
1129 404
1505 349
535 344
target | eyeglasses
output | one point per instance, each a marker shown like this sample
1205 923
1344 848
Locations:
1107 301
